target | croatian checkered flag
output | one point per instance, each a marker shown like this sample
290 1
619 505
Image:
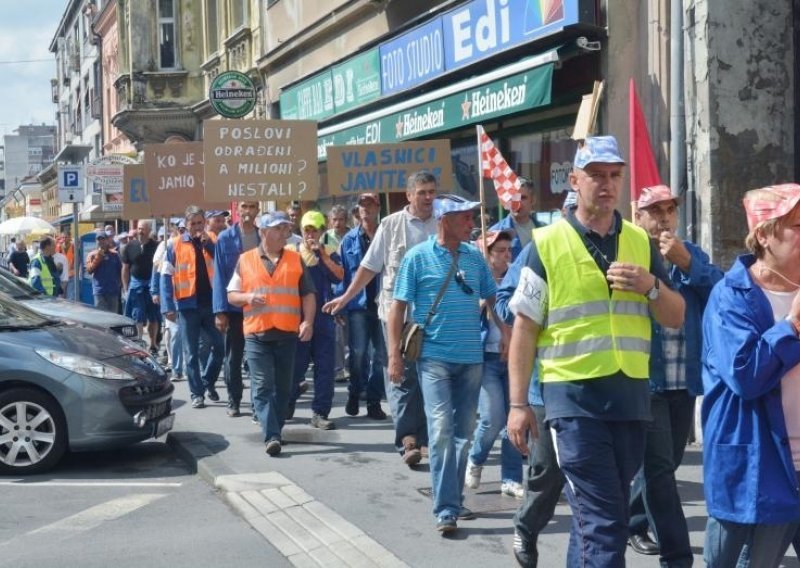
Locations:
494 166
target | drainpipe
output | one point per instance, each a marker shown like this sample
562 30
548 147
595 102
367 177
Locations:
677 123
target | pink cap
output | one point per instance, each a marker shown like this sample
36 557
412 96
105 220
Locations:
770 202
655 194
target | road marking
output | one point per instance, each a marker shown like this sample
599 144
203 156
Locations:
23 483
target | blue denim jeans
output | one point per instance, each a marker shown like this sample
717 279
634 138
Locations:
365 374
192 322
493 410
176 348
733 545
599 460
234 353
321 350
654 496
450 391
405 403
271 364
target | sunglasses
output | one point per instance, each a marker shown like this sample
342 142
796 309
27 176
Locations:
459 278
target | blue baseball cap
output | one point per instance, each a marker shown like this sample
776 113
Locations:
447 203
601 149
216 213
274 219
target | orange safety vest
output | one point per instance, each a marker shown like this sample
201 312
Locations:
282 309
70 254
184 279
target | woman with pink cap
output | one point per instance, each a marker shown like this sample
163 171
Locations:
751 378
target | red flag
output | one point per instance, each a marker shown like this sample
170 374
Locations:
644 172
494 166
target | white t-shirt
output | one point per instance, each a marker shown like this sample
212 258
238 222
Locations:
790 383
61 260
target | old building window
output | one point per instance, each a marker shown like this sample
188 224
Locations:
212 31
166 34
240 13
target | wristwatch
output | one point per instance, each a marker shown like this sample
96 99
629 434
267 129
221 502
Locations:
652 293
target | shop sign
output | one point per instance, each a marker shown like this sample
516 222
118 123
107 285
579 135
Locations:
232 94
310 100
105 180
485 27
136 202
413 58
385 167
260 160
357 81
513 94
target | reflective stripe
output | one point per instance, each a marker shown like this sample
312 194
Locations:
182 285
182 266
268 309
593 344
598 308
266 290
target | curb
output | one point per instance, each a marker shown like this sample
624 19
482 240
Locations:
198 457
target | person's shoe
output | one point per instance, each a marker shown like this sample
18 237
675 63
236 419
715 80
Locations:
154 351
512 489
233 411
473 477
290 407
198 402
273 447
322 422
465 514
342 376
446 524
411 454
526 554
176 378
213 395
303 387
643 544
423 450
254 420
351 408
375 411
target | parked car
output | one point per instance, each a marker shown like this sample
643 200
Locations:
59 308
65 386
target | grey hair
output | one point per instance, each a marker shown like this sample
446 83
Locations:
193 210
337 210
419 178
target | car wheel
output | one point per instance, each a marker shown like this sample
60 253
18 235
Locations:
33 432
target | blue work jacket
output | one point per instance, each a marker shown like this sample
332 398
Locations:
747 463
167 289
352 252
507 224
226 255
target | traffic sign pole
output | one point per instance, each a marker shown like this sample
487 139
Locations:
76 262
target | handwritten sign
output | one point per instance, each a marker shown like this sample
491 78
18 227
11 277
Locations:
136 202
384 168
261 160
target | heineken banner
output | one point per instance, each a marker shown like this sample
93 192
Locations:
513 94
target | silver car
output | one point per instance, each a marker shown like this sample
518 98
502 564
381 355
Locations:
69 387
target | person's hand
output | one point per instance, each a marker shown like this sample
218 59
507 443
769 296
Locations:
397 368
521 422
334 306
306 331
630 278
673 249
257 299
156 300
221 322
171 316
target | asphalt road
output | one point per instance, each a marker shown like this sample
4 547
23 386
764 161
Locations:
137 507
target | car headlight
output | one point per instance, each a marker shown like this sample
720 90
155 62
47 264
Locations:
84 365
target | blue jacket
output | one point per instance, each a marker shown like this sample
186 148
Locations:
747 463
507 224
167 297
226 255
352 253
695 288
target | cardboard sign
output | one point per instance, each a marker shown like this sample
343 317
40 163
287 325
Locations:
384 168
261 160
136 202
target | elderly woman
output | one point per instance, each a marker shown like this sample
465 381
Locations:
751 378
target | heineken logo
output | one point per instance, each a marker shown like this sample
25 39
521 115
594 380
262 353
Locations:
232 94
490 100
418 121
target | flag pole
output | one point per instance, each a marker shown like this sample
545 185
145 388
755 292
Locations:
478 129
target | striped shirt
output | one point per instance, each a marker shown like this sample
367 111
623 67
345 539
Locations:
454 333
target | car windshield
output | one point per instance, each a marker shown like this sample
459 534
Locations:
14 315
15 287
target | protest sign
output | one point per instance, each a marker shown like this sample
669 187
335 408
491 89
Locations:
261 160
136 201
384 168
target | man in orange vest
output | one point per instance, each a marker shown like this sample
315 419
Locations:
277 294
65 247
186 277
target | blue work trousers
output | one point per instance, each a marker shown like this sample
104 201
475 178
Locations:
192 323
271 364
365 374
320 350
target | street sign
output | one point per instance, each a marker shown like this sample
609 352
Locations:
70 184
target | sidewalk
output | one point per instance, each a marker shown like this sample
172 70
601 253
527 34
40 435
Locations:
344 498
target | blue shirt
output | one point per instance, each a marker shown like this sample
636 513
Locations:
454 332
352 249
107 277
226 254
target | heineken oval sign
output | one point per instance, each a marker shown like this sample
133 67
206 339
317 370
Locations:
232 94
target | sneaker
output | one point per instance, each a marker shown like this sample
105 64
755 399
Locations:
198 402
233 411
341 376
322 422
375 411
446 524
512 489
411 454
273 447
254 420
176 378
303 387
465 514
351 408
473 476
526 554
213 395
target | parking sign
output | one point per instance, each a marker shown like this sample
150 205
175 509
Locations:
70 184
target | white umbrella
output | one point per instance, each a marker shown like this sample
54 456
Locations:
24 225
